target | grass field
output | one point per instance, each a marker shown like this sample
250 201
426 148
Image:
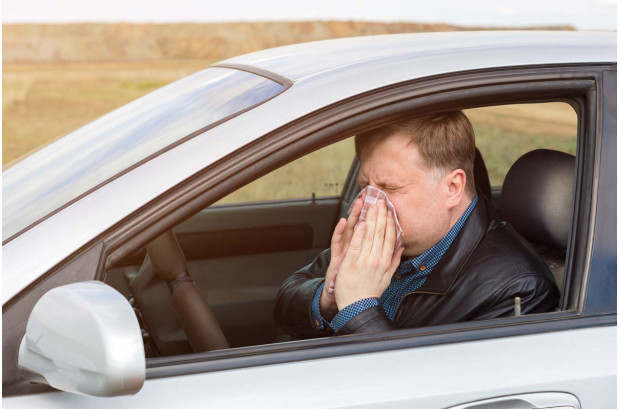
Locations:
44 101
504 133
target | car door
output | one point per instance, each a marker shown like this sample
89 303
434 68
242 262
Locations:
564 358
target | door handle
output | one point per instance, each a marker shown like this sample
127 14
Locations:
555 400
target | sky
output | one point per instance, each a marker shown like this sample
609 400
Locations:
581 14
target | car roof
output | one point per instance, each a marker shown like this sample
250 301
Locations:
323 73
505 48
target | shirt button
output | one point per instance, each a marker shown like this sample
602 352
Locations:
317 322
397 276
423 268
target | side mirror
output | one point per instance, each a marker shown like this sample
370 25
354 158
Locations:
85 338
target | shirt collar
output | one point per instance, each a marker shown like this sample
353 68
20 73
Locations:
425 262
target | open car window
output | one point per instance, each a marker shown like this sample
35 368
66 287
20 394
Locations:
506 132
320 174
240 249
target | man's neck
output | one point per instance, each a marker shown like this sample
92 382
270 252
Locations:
459 210
456 214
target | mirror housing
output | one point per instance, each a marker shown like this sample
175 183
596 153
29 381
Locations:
85 338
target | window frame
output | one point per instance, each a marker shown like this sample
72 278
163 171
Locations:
577 84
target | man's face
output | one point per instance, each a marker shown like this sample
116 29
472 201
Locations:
395 166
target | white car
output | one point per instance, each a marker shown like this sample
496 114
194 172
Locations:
88 322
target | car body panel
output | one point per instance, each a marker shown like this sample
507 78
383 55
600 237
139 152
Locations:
426 377
601 294
492 49
35 251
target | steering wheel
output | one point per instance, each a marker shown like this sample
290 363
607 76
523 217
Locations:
192 310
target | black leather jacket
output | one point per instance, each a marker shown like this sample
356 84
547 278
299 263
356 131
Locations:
485 268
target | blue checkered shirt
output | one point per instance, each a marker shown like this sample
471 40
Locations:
409 276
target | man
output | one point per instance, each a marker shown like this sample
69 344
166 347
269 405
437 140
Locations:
458 261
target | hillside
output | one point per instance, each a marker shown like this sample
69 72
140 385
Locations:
54 43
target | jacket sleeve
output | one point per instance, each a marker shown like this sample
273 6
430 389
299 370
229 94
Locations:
538 294
371 320
293 305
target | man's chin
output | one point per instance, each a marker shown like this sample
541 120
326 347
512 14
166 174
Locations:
411 251
408 254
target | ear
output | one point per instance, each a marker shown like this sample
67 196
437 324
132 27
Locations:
454 184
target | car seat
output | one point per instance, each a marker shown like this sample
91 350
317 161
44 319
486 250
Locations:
481 176
537 200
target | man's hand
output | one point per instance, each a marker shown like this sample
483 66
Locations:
370 260
339 245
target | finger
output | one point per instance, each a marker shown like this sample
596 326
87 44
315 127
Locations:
355 247
337 245
332 284
390 237
352 220
357 207
379 237
371 222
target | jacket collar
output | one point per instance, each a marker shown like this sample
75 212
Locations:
462 247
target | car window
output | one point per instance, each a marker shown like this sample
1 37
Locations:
321 173
506 132
100 150
240 249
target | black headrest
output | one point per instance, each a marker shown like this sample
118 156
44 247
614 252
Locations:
481 175
537 196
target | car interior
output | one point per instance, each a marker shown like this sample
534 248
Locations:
234 256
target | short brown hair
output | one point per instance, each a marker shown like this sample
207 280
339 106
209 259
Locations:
445 141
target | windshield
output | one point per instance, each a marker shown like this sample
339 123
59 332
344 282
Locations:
62 171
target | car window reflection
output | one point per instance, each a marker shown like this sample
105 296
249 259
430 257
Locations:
96 152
